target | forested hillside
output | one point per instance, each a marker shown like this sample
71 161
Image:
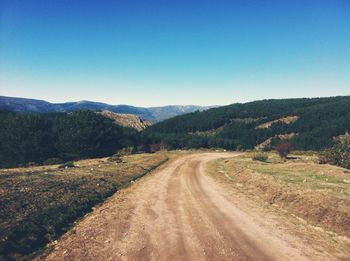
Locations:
55 137
310 124
315 122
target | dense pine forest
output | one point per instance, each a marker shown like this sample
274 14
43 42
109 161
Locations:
58 137
239 126
309 124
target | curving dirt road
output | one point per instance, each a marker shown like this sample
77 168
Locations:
180 213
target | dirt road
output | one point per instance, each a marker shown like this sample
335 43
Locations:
180 213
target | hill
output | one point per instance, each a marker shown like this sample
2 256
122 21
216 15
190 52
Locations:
166 112
127 120
153 114
53 137
310 122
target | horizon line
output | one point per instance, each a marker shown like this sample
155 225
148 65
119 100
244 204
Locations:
165 105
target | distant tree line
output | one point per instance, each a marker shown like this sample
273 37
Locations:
36 138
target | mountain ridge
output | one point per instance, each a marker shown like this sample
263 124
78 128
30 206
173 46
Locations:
152 114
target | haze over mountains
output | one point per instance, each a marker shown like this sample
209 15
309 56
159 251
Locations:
152 114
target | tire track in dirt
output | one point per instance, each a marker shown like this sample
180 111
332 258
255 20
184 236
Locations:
179 213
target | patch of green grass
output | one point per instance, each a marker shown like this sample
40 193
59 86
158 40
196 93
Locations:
263 157
301 171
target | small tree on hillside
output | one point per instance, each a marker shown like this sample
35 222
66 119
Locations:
339 154
158 146
283 149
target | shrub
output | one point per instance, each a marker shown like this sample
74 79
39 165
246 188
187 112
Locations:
158 146
283 149
267 148
125 151
31 164
261 157
53 161
325 157
115 158
339 154
66 165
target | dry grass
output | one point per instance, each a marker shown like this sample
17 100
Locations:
305 172
38 204
286 120
320 194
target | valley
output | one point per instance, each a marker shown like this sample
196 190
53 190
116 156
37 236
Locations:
174 130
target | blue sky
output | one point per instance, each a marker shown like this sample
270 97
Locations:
150 52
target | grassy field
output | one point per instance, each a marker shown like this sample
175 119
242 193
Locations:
319 194
38 204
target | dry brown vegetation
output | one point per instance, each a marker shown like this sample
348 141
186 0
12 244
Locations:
266 145
127 120
38 204
209 132
318 194
286 120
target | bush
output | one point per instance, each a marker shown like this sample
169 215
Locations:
115 158
154 147
125 151
53 161
66 165
339 155
31 164
267 148
260 157
325 157
283 149
118 156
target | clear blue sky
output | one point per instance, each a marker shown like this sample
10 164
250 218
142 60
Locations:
174 52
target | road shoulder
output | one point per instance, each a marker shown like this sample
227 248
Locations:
283 223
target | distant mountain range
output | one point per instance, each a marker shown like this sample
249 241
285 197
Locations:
152 114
